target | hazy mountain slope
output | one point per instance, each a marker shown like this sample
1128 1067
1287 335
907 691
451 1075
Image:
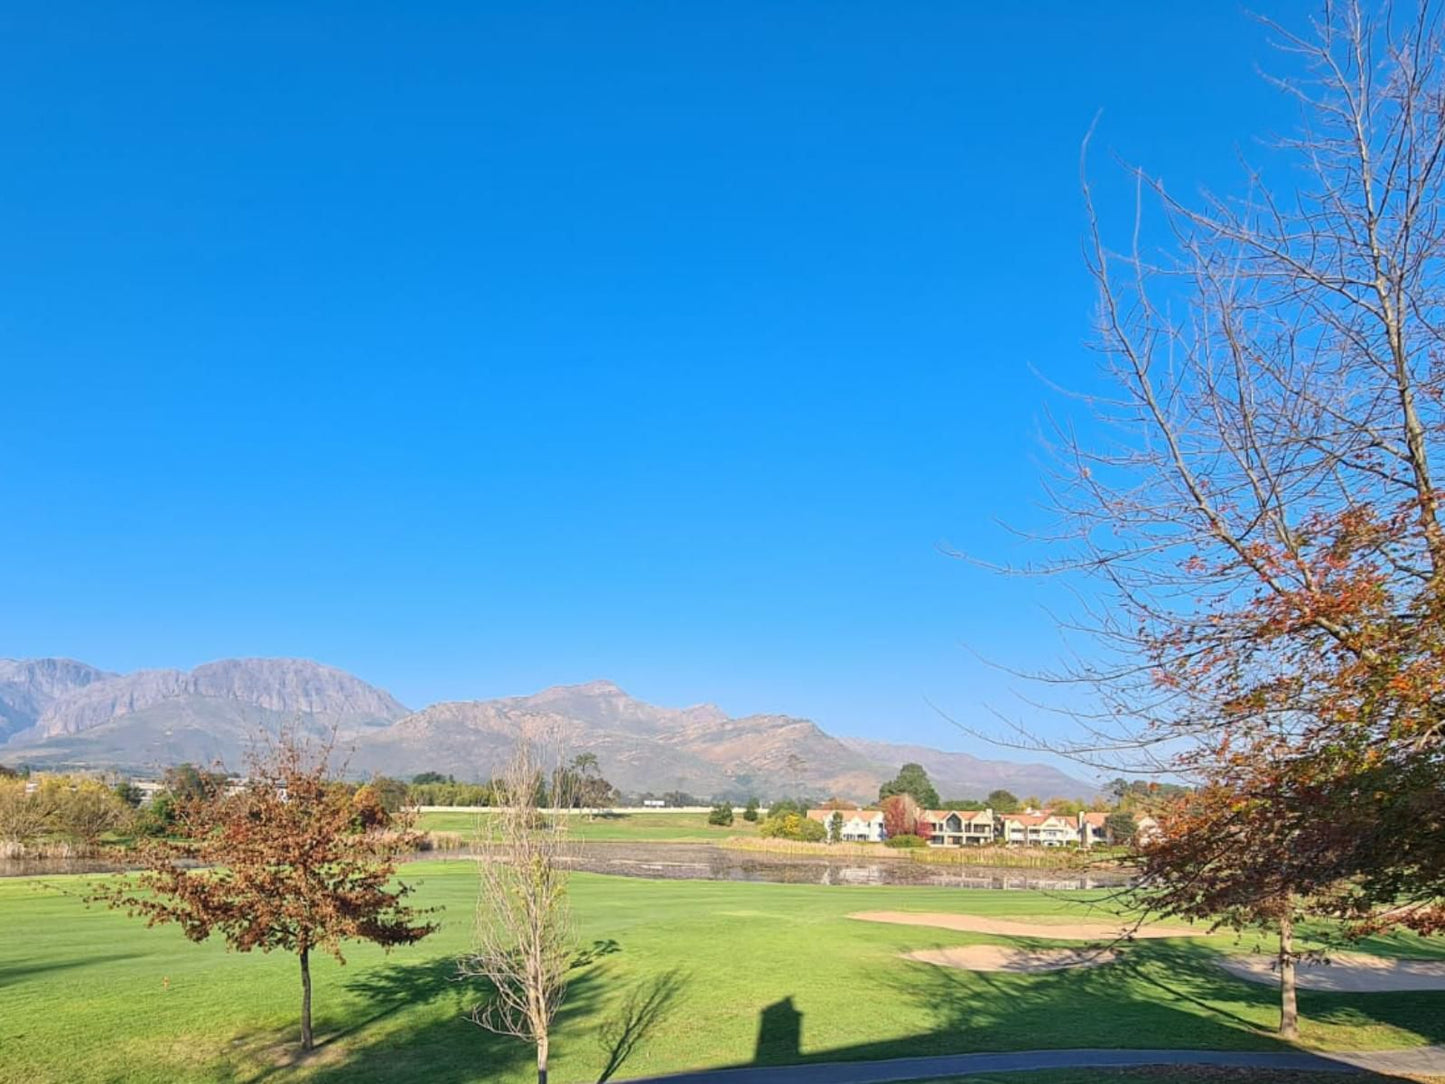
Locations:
61 713
960 775
158 717
472 739
28 687
700 750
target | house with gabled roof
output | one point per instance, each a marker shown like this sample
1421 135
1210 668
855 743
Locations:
957 827
1038 829
859 825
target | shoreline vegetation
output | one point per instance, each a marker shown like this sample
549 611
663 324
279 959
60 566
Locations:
990 857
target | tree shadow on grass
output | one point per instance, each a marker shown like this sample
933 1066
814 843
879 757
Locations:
1158 994
395 986
414 1024
445 1046
21 970
645 1006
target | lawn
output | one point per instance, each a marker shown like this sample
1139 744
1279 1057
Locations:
698 973
614 827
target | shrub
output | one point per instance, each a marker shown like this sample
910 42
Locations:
86 809
751 812
783 806
23 817
905 842
721 815
792 826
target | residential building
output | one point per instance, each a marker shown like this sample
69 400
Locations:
859 825
1038 829
1093 829
958 827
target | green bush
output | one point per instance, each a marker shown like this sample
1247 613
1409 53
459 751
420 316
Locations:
751 812
721 815
792 826
906 843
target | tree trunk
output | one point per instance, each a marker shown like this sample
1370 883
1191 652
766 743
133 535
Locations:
542 1060
306 1043
1288 1010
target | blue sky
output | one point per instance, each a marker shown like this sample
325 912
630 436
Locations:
480 347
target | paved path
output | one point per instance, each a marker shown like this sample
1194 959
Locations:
1418 1060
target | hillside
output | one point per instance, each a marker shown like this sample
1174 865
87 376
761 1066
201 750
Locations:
62 713
152 718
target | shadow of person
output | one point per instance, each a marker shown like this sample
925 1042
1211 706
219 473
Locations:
642 1010
780 1033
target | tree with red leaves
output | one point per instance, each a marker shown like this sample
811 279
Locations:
1251 516
289 860
900 815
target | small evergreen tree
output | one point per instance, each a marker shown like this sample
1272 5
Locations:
721 815
750 812
835 827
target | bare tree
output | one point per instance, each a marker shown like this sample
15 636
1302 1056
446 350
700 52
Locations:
523 940
1251 516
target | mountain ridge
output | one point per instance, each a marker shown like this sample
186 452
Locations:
75 715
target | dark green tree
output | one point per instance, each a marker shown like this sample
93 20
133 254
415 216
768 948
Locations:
911 780
721 815
1120 827
1002 801
750 812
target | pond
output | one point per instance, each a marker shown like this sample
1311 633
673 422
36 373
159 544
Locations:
708 862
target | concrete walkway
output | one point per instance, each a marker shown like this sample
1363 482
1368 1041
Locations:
1420 1060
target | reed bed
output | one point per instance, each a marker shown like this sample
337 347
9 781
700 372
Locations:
990 857
50 849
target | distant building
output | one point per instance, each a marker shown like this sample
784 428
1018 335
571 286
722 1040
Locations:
957 827
1093 829
859 825
1041 829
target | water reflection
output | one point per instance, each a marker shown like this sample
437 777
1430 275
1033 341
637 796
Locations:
702 862
705 862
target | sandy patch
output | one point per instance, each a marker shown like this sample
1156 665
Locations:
1003 958
1061 931
1347 972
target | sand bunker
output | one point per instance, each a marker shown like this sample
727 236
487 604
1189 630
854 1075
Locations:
1063 931
1347 972
1002 958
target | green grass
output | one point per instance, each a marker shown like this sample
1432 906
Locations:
708 974
614 827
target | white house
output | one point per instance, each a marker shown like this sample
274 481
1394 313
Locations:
1038 829
959 827
859 825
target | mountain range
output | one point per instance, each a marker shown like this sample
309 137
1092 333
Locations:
61 713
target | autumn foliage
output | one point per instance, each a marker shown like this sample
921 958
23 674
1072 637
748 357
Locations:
900 815
289 860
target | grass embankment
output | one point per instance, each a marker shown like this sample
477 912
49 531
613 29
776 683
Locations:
991 857
697 973
609 827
